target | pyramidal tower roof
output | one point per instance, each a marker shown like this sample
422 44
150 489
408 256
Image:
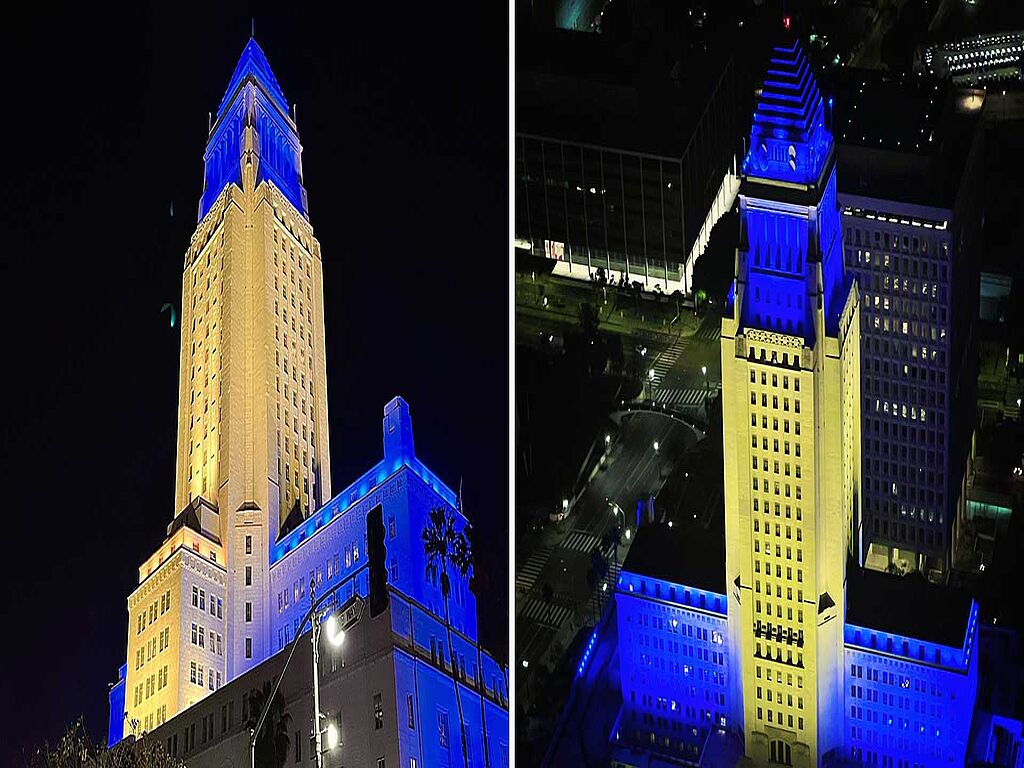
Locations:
788 137
253 64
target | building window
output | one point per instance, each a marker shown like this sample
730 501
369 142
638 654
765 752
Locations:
248 575
442 728
248 611
248 647
412 712
248 545
378 711
195 596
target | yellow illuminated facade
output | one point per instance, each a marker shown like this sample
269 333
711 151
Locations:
176 630
252 409
791 420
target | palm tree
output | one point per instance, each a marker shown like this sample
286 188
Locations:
478 584
447 550
273 741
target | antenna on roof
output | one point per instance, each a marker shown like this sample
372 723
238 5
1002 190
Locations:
252 26
295 114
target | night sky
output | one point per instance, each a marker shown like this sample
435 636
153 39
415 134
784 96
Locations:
402 113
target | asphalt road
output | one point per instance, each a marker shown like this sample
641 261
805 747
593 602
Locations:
633 470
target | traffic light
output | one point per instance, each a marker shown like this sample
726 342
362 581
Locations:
377 553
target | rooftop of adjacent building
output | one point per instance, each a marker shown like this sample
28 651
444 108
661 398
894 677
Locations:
909 606
902 137
642 85
399 452
688 554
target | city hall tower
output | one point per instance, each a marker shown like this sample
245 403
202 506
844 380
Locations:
790 378
252 445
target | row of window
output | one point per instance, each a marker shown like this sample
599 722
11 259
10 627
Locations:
154 718
896 263
150 685
776 489
775 716
349 557
767 507
196 675
151 648
776 697
775 424
154 611
199 601
207 638
787 469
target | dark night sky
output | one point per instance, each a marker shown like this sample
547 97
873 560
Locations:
402 111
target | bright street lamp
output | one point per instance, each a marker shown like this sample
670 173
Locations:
657 445
337 621
335 634
332 736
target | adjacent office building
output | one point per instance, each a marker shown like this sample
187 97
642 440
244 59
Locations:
807 658
990 59
910 170
617 164
257 526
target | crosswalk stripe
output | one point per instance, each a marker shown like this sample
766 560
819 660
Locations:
579 541
686 397
540 612
532 568
708 331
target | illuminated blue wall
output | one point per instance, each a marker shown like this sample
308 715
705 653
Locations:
419 658
336 534
115 726
673 659
905 699
263 107
908 700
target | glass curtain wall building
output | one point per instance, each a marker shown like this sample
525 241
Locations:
614 177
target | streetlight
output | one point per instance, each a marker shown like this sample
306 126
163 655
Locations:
657 445
337 622
704 371
332 736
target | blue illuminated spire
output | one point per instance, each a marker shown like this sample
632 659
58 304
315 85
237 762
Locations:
789 263
253 64
788 139
253 102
